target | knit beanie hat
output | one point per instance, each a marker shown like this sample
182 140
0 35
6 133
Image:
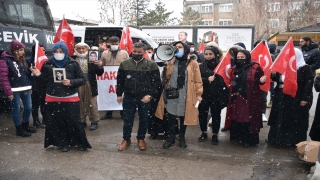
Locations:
16 45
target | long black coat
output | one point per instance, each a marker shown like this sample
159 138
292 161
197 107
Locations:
315 128
295 118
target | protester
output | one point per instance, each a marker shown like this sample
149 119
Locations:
89 91
183 88
150 52
215 94
311 53
138 81
232 50
245 100
63 126
38 94
289 117
15 81
200 59
113 57
315 128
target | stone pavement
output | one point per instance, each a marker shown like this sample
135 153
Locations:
25 158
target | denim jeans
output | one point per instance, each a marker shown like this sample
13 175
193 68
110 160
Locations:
129 109
15 105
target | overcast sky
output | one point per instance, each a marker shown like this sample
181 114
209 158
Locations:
89 8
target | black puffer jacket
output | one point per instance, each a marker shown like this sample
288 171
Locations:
311 56
74 74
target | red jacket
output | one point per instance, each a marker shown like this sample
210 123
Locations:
4 81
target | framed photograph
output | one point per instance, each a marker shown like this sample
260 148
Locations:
58 74
93 55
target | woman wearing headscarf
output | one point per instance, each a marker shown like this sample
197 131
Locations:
183 88
289 117
245 100
315 128
63 126
215 94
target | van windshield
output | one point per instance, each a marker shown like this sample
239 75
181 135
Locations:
26 13
154 44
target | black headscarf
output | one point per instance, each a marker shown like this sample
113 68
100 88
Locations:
241 69
208 65
182 64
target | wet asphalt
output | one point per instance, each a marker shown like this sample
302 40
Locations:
26 158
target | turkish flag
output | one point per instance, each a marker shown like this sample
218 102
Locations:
201 48
286 64
40 57
223 69
261 55
126 42
65 34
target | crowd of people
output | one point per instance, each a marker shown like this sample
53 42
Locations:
181 95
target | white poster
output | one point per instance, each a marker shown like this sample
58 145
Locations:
107 84
226 37
167 36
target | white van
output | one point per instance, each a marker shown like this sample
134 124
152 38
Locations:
95 35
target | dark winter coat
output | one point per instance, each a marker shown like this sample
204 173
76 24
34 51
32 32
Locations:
315 128
294 115
254 98
138 79
217 89
311 56
73 72
13 75
93 71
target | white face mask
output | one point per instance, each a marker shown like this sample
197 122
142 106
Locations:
150 55
191 49
114 47
58 56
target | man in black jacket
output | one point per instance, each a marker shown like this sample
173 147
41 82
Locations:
138 80
89 91
311 53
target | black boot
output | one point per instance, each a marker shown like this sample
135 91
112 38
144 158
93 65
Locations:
169 142
26 127
38 124
182 142
20 131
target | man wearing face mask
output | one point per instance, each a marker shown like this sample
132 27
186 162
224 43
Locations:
89 91
200 59
138 80
113 57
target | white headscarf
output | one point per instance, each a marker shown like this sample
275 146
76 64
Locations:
300 59
81 45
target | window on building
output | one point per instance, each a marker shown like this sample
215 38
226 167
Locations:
274 23
195 8
273 7
295 6
207 22
317 4
225 8
225 21
206 8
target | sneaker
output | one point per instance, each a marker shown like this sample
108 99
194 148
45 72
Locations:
210 122
203 137
264 118
269 104
93 126
106 116
215 140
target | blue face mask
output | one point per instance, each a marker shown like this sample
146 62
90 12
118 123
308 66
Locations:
179 54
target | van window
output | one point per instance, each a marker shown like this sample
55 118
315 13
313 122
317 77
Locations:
98 35
77 40
32 13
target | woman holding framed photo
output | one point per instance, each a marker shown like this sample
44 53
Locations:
63 128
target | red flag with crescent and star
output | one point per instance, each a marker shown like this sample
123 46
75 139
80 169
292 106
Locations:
40 57
286 64
260 54
201 48
126 42
223 68
65 34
